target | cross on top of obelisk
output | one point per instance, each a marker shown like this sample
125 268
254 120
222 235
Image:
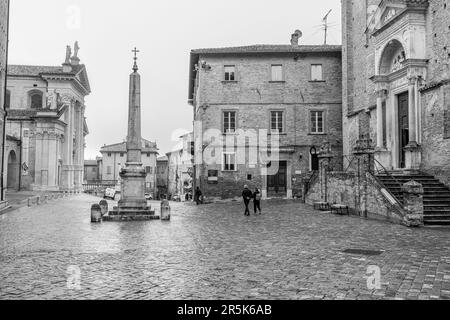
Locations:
135 51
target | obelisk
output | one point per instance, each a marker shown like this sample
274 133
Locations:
133 205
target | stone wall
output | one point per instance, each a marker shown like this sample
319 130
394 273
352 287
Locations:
361 193
436 146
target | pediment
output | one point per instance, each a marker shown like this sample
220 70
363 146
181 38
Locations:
386 12
82 77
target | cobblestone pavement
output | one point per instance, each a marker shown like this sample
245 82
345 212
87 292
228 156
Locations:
214 252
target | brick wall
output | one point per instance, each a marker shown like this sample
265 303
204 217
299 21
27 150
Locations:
253 96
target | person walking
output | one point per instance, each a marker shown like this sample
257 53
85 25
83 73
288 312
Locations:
257 200
247 195
198 195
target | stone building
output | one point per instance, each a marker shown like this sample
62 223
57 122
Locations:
261 112
396 82
4 26
162 175
46 125
180 168
114 158
91 172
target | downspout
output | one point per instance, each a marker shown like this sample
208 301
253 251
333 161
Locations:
2 197
20 155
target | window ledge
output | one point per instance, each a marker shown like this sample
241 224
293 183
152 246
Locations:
277 81
317 81
277 134
230 81
229 133
317 134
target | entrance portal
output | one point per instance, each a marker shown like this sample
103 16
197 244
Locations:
403 125
277 183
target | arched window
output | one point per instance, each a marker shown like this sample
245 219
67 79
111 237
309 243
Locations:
8 99
36 98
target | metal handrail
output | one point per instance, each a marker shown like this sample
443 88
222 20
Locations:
311 179
350 162
390 176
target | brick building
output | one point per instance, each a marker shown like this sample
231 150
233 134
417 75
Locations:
114 157
396 82
162 175
4 21
46 125
260 113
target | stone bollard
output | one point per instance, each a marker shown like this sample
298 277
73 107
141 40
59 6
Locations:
96 213
104 206
38 200
165 210
413 203
30 202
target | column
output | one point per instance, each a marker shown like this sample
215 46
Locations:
380 99
412 110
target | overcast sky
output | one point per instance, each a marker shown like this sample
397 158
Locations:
164 32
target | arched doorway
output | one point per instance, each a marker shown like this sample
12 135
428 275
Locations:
13 171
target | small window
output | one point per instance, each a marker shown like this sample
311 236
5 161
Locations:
121 155
276 121
317 122
148 170
148 155
109 154
94 169
230 73
277 72
108 170
8 99
36 100
249 177
229 122
229 162
316 72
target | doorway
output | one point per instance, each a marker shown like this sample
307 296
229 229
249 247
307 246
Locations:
13 172
277 183
403 125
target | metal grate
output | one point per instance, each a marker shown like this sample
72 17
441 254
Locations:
363 252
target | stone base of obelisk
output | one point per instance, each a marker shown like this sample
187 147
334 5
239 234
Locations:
132 205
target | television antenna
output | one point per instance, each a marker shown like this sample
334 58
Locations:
326 26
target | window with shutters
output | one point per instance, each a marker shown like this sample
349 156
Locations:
229 122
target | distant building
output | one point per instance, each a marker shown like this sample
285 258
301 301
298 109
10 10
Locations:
180 168
162 175
91 171
4 21
114 158
46 125
263 93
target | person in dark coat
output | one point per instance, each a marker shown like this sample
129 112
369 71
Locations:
247 195
257 200
198 196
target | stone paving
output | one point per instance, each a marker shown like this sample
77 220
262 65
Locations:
214 252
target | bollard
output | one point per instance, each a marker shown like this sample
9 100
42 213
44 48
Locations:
165 210
104 207
30 202
96 213
38 200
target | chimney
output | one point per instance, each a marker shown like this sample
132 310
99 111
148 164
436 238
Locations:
296 37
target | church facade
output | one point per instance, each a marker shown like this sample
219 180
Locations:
396 82
46 125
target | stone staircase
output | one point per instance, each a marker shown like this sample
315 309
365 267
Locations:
436 199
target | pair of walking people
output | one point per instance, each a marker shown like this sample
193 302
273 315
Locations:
248 195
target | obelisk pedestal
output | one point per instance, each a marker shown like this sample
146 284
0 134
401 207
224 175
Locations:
133 204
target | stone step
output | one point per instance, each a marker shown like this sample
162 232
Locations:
437 222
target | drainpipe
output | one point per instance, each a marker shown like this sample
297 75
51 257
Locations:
2 196
20 155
